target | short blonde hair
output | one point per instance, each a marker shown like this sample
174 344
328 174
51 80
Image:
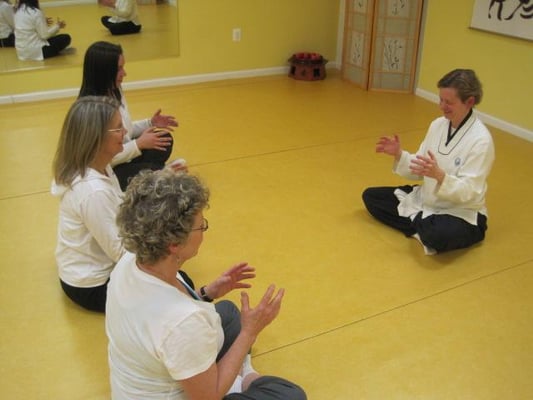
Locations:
158 210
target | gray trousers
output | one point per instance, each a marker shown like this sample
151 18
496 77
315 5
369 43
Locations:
265 387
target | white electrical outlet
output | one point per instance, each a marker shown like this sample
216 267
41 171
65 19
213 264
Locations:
236 34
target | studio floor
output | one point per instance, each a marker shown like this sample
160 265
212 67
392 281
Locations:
366 314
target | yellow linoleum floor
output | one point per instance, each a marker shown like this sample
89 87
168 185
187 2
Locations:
366 314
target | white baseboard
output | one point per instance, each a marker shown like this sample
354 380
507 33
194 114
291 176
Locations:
151 83
486 118
64 3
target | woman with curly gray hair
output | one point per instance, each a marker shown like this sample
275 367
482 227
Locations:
165 340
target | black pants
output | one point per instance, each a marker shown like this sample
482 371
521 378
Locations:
57 43
441 232
120 28
94 298
149 159
8 41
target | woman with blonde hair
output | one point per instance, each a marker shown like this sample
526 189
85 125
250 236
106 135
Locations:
88 245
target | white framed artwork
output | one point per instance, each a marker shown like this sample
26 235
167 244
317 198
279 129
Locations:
506 17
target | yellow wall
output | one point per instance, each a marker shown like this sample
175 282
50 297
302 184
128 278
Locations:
271 31
503 64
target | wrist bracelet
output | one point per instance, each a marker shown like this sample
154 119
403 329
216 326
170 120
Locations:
204 295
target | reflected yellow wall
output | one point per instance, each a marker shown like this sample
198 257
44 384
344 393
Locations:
271 31
504 64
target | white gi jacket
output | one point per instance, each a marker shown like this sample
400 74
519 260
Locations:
467 161
31 32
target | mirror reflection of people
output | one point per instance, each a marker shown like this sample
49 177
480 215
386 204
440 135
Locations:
37 37
165 341
148 142
125 18
7 24
447 210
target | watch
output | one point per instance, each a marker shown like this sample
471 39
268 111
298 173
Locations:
204 295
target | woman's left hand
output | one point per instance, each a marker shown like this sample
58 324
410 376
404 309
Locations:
163 121
427 166
231 279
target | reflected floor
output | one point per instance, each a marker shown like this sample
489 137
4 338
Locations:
366 314
157 39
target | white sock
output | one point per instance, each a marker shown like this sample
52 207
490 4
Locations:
247 367
237 385
428 251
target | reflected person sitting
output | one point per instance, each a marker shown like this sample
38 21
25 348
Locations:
7 24
125 18
36 37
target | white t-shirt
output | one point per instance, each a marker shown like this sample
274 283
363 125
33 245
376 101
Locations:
157 335
88 245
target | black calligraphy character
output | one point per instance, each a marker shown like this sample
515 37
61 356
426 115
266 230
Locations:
500 7
528 10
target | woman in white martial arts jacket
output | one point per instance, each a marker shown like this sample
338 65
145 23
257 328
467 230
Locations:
447 210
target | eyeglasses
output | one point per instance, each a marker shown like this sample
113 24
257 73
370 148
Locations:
203 228
117 129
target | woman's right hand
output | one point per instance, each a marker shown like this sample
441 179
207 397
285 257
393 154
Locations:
154 138
254 320
389 145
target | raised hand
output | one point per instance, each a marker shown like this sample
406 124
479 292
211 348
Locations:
230 280
254 320
389 145
427 166
163 121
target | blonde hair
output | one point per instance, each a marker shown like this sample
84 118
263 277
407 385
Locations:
83 132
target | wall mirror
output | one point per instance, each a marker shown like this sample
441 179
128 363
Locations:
157 39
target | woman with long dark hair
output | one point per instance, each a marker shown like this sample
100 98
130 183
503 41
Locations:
36 36
148 142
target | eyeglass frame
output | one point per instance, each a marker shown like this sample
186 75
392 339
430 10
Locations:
117 129
204 227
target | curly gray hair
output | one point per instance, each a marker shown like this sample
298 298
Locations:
158 210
